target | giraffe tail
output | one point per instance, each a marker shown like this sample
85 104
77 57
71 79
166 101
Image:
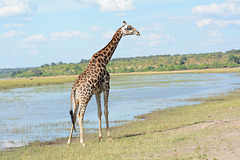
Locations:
71 111
71 114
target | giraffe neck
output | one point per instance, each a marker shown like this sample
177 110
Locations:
104 55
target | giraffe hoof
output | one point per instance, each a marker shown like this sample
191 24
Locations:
100 139
83 145
109 138
68 143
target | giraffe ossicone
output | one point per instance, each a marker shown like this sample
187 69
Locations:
93 81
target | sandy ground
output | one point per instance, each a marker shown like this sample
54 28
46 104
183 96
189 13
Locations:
211 140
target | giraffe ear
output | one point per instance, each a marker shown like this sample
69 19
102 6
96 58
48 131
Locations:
124 22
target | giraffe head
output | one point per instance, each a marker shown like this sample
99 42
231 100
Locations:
129 30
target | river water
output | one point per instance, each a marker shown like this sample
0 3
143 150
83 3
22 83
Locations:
41 113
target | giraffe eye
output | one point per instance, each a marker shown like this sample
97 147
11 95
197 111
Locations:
129 28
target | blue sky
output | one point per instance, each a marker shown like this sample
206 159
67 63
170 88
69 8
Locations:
37 32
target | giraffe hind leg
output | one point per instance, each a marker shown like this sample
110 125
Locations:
80 117
73 118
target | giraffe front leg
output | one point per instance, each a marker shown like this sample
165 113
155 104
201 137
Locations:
98 99
106 94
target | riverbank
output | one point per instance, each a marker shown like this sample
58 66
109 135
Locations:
34 81
217 70
38 81
209 130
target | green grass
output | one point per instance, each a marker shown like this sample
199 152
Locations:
163 134
38 81
34 81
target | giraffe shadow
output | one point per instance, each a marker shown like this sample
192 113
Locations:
130 135
161 130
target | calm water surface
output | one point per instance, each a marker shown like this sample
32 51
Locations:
41 113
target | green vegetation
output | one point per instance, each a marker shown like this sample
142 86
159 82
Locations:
38 81
217 62
7 72
34 81
178 62
189 132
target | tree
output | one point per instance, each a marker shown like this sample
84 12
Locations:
184 58
131 69
60 63
37 72
234 59
13 74
204 66
53 64
170 68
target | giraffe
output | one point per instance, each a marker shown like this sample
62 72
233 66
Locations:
93 81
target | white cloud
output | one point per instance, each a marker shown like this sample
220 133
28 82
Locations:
226 13
154 36
214 33
11 34
115 5
223 23
59 36
111 5
96 29
154 39
108 34
215 42
16 7
233 0
27 18
155 43
223 9
152 27
219 23
14 25
30 42
203 22
61 6
35 38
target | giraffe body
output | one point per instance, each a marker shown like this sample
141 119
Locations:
93 81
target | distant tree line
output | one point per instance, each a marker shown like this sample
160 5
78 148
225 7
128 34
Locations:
141 64
10 72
